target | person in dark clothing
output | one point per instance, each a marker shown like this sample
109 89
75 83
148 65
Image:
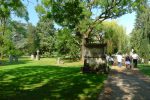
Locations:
128 61
135 58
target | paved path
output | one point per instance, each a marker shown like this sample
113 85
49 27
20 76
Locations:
123 84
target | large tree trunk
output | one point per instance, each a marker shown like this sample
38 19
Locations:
84 42
83 48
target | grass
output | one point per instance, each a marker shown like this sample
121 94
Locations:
144 68
45 80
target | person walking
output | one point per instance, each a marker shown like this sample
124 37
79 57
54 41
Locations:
128 61
119 59
135 58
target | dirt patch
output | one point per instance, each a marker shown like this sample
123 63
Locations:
124 84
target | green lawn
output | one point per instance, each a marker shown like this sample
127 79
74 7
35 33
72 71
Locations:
145 69
45 80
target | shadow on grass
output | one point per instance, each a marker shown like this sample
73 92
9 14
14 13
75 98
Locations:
5 62
49 83
145 69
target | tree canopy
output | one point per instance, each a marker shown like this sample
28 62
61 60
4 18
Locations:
9 7
140 37
83 15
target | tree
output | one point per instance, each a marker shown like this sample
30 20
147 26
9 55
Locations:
140 37
115 37
19 36
46 31
32 39
7 8
14 39
80 16
66 44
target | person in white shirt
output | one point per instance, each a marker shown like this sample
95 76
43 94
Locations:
135 58
119 59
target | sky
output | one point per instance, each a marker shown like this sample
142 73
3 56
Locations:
127 21
33 16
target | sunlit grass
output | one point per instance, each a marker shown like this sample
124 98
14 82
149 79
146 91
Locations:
145 68
47 80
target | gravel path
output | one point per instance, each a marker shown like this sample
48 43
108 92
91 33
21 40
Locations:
123 84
